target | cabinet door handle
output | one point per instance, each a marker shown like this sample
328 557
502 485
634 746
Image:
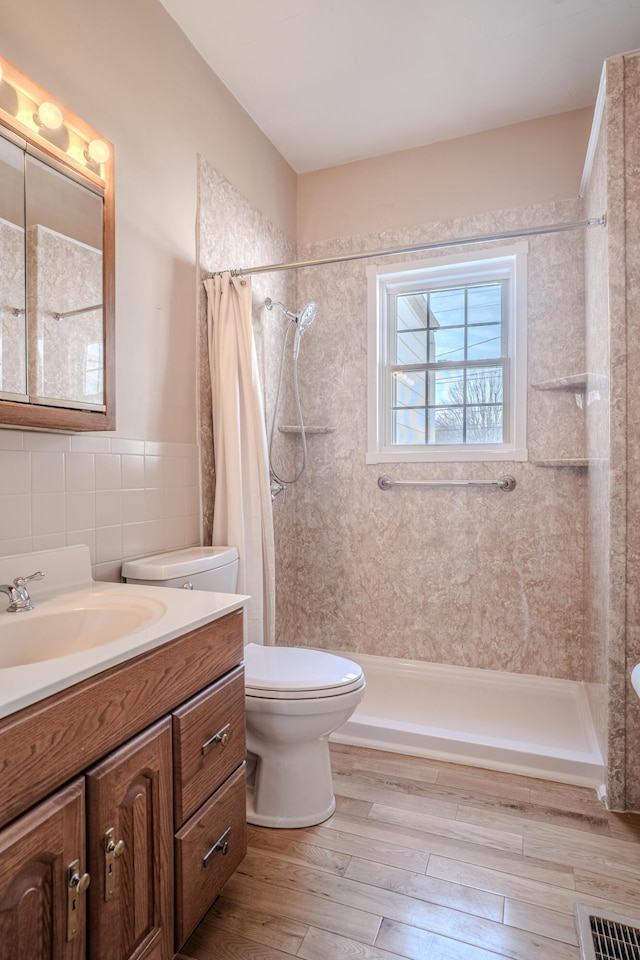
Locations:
222 738
112 851
221 844
77 884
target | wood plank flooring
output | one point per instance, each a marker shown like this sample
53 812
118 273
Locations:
427 861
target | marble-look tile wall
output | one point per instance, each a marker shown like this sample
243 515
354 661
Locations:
123 498
232 233
471 577
626 426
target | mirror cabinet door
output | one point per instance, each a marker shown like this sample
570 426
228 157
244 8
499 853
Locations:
13 359
57 263
64 289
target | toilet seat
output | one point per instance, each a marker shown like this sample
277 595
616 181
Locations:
298 673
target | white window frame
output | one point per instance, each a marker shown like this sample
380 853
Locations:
510 263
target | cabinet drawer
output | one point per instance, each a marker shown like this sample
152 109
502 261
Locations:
207 850
208 742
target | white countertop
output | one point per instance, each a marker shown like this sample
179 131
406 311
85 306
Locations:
180 611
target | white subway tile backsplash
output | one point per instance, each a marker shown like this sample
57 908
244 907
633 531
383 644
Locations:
11 439
155 504
48 513
192 531
175 532
48 541
191 500
47 472
121 497
46 441
132 471
175 471
133 506
81 510
154 471
108 544
15 516
108 507
15 472
175 506
87 444
80 471
133 539
107 471
127 446
191 472
156 536
88 537
9 547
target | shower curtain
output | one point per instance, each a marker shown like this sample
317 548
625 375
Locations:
242 514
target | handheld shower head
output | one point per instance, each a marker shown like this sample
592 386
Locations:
306 317
302 320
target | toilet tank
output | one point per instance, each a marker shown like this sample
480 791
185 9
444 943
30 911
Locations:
200 568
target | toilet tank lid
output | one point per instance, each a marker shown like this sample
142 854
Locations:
179 563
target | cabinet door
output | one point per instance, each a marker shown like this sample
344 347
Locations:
42 859
129 839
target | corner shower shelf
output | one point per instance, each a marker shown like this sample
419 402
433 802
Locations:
295 428
575 384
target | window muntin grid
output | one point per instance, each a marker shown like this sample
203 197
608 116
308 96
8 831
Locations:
449 371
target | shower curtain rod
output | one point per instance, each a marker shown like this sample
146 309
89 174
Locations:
422 247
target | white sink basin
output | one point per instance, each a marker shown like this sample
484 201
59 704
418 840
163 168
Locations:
72 626
635 678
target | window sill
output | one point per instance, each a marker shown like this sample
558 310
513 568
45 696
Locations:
450 455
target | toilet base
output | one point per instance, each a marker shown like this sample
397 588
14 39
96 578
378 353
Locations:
285 822
289 782
289 785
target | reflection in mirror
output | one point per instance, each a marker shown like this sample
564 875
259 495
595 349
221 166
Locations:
57 283
64 283
13 382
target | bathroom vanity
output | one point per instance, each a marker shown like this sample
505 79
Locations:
122 802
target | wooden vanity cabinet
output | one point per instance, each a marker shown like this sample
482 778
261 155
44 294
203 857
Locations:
40 854
130 839
175 739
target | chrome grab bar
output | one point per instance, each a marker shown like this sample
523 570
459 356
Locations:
504 483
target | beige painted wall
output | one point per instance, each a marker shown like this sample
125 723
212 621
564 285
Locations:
515 166
130 72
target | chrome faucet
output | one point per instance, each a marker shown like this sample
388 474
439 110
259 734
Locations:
18 593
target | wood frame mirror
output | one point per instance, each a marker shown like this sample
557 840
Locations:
81 159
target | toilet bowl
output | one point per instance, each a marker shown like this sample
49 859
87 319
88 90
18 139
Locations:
295 698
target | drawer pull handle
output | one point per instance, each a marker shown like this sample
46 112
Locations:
222 737
76 885
112 852
221 844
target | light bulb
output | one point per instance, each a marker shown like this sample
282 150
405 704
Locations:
98 151
49 116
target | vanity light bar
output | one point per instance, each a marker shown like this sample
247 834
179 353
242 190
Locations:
30 110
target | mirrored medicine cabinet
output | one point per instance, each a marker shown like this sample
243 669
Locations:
56 264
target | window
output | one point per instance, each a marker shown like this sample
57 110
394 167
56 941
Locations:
447 358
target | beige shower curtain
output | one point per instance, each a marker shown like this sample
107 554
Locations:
242 514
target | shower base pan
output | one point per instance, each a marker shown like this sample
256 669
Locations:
533 726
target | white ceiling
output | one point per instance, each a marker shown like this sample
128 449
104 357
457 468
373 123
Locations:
330 81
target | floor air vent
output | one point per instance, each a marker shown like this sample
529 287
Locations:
607 936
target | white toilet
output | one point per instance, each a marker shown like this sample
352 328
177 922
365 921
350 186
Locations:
295 698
